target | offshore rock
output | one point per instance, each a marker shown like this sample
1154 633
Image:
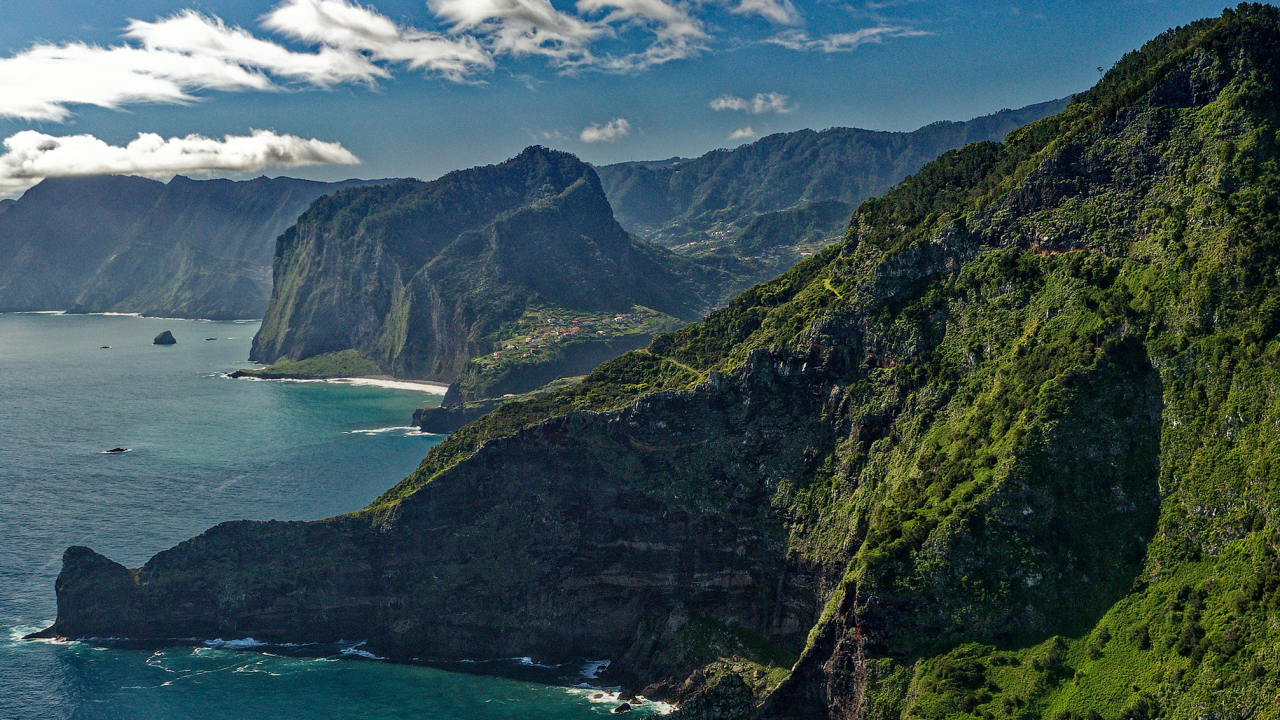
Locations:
165 338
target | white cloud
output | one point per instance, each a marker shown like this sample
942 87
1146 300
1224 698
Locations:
676 34
194 35
781 12
611 131
523 27
31 156
186 52
40 83
353 28
758 105
843 42
742 133
174 58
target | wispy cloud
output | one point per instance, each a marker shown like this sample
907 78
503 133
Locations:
843 42
353 28
760 104
781 12
742 133
522 27
612 131
31 156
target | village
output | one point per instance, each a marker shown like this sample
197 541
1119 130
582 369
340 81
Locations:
539 332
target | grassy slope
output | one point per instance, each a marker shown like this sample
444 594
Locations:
1011 308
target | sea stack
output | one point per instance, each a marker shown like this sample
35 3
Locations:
165 338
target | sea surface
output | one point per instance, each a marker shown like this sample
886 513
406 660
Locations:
202 449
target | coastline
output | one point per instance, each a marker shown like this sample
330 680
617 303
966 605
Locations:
422 386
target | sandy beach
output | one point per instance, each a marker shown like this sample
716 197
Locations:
414 385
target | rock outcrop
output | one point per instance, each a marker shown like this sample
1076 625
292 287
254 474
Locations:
165 338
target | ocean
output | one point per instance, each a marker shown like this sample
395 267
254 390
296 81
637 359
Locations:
202 449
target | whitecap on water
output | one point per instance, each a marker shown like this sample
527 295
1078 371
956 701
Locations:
241 644
406 429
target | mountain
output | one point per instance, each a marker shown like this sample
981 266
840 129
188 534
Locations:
711 203
509 275
186 248
1009 450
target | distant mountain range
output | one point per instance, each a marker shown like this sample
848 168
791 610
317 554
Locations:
186 248
755 200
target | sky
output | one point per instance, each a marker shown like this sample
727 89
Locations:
331 89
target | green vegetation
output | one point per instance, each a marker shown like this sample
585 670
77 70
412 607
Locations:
1052 367
550 342
345 363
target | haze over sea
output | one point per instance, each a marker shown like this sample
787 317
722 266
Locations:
203 449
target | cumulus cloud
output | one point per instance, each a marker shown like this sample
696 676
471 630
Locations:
612 131
843 42
742 133
760 104
31 156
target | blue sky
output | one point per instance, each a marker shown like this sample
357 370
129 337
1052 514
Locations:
432 87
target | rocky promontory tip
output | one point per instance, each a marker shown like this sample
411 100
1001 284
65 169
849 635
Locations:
165 338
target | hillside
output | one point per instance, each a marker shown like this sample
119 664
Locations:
784 195
186 248
1008 451
509 275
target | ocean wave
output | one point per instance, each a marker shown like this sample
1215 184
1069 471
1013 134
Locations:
612 696
18 632
355 651
407 429
241 644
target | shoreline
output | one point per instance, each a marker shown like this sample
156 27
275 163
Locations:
422 386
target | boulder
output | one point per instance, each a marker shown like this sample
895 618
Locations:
165 338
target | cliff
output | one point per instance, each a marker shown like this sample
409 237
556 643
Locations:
521 263
186 248
1007 451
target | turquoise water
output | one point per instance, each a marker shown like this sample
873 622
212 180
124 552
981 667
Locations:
202 449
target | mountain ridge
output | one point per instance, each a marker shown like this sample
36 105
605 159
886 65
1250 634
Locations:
694 204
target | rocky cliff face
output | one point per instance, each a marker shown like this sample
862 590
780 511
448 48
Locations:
1006 452
188 248
422 277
